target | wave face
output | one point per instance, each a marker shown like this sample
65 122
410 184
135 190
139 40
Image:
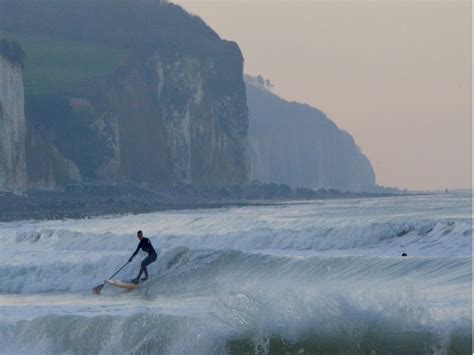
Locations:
318 277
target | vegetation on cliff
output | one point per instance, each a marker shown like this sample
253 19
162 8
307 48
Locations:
56 66
141 26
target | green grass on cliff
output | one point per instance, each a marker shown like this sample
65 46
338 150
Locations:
55 67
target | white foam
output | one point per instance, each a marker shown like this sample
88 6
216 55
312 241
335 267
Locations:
321 268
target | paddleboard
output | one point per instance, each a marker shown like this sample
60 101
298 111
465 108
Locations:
122 284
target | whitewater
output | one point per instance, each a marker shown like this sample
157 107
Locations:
323 276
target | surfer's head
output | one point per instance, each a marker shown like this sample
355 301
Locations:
140 235
404 254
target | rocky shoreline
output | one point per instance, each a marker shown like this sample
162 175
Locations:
89 200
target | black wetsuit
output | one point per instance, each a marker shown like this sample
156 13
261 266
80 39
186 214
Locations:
146 246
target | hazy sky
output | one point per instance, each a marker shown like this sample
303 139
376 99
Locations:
396 75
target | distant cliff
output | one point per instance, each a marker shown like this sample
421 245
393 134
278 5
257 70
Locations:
12 125
297 145
136 91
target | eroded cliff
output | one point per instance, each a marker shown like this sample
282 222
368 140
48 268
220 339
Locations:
167 122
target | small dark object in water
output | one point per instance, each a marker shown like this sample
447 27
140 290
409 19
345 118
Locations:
404 254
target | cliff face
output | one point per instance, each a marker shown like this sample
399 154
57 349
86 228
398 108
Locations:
170 109
12 126
47 168
297 145
165 123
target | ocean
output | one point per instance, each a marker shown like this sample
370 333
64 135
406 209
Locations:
313 277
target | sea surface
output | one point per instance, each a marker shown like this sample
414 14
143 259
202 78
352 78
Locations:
321 276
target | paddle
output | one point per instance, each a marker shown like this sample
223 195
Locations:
96 290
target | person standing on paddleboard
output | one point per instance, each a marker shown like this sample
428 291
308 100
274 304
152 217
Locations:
146 246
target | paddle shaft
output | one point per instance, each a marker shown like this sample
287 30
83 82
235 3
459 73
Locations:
96 290
119 270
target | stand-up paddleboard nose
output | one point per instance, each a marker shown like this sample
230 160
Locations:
122 284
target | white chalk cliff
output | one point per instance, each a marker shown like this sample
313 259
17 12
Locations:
13 174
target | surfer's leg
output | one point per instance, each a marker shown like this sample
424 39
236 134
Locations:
143 266
142 269
148 260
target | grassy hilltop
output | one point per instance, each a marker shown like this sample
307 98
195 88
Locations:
67 42
56 66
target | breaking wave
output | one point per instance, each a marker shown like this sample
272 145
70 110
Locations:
250 323
446 237
322 278
207 269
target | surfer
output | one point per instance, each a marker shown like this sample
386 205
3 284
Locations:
146 246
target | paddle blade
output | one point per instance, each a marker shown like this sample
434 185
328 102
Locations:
96 290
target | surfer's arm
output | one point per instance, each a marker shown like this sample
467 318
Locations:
136 251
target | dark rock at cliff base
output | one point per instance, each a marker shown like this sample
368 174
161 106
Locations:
83 200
